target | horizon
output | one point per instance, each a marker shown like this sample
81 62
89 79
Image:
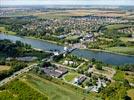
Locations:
67 2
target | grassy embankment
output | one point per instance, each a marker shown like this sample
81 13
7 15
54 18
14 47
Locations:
3 30
55 91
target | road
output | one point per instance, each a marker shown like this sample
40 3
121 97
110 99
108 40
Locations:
16 74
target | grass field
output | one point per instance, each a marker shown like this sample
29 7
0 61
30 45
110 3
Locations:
125 50
120 76
54 91
4 67
69 77
125 39
131 93
17 90
3 30
117 26
72 37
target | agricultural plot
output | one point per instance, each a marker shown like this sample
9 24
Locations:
4 67
17 90
131 93
54 91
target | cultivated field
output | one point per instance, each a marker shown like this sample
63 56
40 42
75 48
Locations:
17 90
54 91
4 67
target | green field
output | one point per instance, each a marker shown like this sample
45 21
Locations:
117 26
55 91
124 50
126 39
131 93
119 76
69 77
3 30
17 90
4 67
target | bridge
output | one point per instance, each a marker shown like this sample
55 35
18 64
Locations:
60 53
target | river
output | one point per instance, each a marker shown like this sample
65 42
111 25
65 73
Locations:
109 58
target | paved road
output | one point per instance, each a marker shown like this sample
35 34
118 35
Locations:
8 79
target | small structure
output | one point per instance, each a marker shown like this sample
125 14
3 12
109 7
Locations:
79 80
68 62
9 59
65 49
61 36
89 37
56 53
27 59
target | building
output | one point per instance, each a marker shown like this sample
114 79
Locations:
27 59
79 80
55 72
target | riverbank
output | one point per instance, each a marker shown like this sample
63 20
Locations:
3 30
99 50
49 41
60 44
109 58
111 52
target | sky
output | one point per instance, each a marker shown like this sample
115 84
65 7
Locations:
67 2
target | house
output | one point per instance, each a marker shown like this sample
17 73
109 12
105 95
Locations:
68 62
79 80
56 53
61 70
61 36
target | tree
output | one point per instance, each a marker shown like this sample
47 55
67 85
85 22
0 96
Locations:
98 66
126 83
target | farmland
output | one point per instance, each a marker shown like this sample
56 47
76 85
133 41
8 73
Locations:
17 90
54 91
4 67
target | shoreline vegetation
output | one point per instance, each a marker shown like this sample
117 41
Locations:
60 44
99 50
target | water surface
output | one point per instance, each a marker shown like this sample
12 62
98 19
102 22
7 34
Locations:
109 58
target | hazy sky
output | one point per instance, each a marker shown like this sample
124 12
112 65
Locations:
67 2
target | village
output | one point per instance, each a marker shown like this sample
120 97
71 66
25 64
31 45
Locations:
77 71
